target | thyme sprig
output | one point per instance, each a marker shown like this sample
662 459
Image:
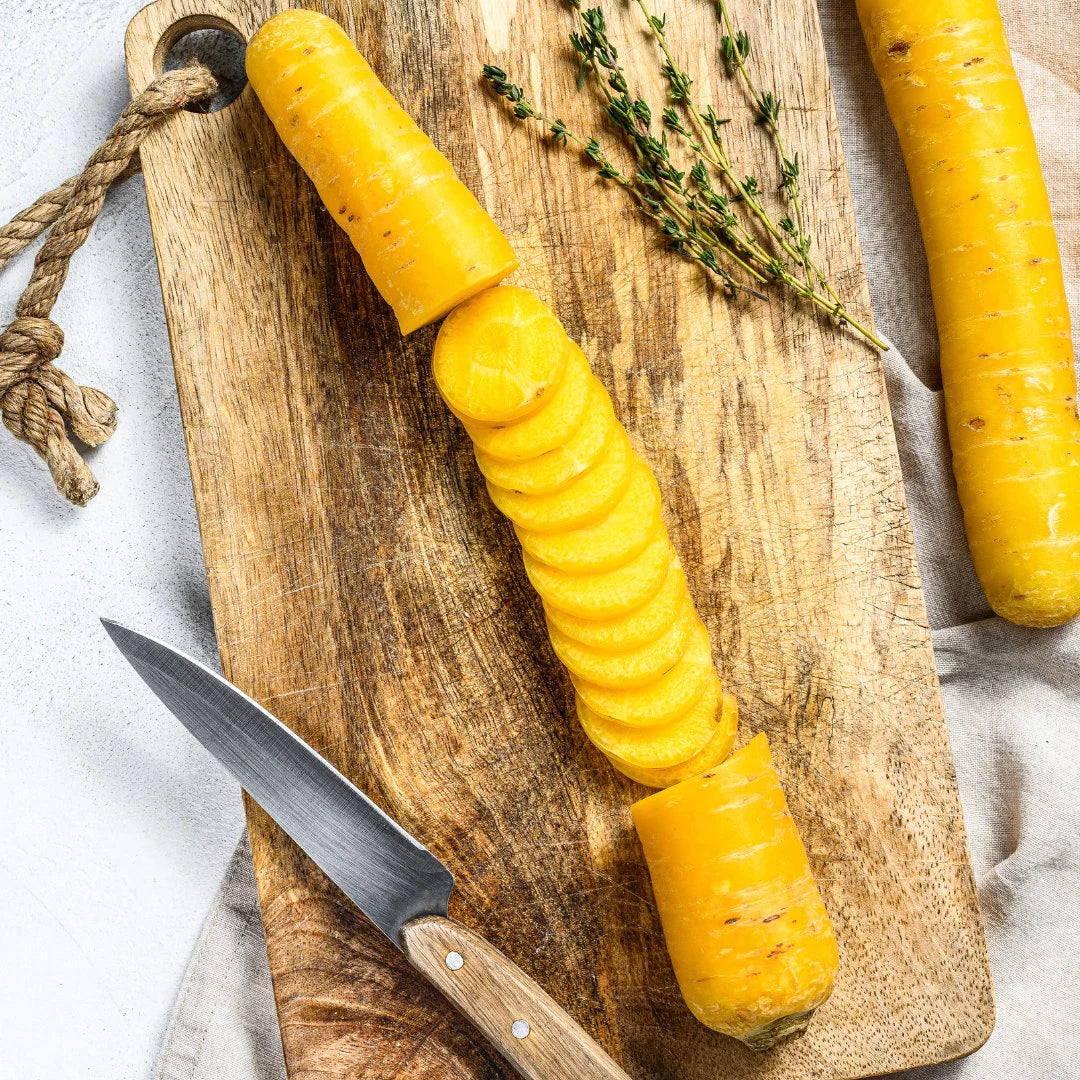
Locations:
632 117
735 48
683 233
704 208
787 233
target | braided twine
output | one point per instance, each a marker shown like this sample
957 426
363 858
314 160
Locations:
38 401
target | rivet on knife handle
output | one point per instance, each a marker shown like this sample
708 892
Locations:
538 1037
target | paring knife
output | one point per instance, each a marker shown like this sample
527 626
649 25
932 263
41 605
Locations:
394 880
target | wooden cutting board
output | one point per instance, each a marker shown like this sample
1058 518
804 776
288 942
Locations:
365 590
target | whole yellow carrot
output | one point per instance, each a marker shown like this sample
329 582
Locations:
426 242
995 270
748 935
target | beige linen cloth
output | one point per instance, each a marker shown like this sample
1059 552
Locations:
1012 695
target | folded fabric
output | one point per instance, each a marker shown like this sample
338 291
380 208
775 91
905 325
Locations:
224 1023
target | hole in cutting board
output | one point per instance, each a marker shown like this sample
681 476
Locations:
214 43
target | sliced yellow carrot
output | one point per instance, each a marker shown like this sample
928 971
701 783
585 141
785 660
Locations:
661 746
551 426
610 542
708 757
661 700
586 499
748 935
587 511
636 667
553 470
633 629
425 240
498 354
606 595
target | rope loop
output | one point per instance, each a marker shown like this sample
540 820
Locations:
38 402
24 346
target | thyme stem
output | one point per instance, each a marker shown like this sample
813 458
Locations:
631 117
736 50
700 222
681 84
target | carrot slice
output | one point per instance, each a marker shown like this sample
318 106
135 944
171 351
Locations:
553 470
633 629
663 745
610 542
551 426
605 595
661 700
583 501
635 667
498 354
708 757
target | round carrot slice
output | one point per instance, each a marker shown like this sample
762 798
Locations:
664 698
550 426
610 542
664 745
499 354
634 628
606 595
584 500
553 470
708 757
619 671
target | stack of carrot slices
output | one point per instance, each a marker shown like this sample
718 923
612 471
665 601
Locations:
587 511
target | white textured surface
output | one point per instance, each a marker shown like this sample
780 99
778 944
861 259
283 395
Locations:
115 828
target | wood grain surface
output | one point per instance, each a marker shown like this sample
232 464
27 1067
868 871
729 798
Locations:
366 591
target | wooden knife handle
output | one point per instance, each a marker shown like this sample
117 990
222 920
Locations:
539 1038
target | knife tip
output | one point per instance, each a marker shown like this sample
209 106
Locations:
114 629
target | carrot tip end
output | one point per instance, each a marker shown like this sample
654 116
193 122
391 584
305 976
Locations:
777 1032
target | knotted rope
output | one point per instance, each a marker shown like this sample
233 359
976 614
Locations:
38 401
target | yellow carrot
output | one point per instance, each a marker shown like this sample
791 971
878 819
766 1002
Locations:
748 935
995 270
426 242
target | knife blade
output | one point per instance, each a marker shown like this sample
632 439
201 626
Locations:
390 876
